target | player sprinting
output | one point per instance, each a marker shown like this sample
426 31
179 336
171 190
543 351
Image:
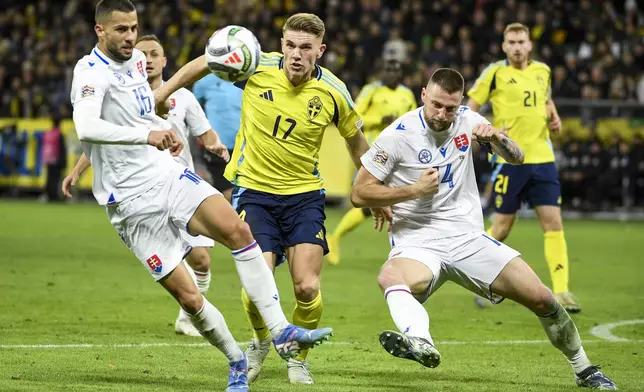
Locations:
519 90
422 166
150 198
379 103
286 106
191 120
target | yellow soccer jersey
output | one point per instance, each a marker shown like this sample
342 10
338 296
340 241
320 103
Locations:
376 101
281 130
519 100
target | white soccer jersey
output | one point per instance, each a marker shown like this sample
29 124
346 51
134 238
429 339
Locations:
113 115
186 113
407 148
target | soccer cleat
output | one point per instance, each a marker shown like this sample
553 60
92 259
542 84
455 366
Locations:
410 347
238 376
293 339
298 372
333 257
592 378
256 352
183 326
568 302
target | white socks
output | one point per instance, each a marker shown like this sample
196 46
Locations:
211 325
408 314
564 336
203 281
259 283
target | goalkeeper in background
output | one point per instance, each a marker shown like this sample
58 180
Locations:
379 103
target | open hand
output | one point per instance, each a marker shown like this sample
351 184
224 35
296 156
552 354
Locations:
218 149
380 216
69 182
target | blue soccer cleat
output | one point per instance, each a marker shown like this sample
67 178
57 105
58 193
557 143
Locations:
592 378
295 339
238 376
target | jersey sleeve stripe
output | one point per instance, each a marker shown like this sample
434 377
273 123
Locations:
343 91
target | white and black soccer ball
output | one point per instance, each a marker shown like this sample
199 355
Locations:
233 53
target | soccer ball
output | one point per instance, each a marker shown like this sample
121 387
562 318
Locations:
233 53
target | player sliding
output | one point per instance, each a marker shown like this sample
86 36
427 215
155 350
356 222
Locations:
151 198
287 105
190 119
422 167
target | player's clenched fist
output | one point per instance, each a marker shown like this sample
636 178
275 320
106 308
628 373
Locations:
485 133
165 140
427 183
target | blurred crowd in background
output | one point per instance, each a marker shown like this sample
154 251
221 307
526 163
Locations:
594 47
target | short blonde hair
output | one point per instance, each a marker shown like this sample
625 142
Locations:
308 23
516 28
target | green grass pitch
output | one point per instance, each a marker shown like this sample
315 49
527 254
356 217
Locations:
66 279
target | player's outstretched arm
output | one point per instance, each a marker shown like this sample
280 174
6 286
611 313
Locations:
369 191
507 148
188 74
71 179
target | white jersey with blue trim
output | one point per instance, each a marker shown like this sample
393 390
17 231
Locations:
189 119
113 115
407 148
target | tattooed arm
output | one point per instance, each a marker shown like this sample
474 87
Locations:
502 145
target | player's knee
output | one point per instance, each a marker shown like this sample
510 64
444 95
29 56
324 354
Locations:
191 301
389 276
238 235
307 289
500 231
552 224
544 302
199 260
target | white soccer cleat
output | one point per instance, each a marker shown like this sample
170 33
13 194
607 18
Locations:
256 352
183 325
298 372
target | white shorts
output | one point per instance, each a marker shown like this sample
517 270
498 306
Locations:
198 241
153 224
472 261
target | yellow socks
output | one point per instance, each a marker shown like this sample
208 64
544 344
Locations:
307 315
350 221
489 232
260 331
557 258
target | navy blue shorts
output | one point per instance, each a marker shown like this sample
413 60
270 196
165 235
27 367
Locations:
537 184
281 221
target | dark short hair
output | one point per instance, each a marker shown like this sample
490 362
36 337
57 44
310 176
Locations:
448 79
104 9
150 37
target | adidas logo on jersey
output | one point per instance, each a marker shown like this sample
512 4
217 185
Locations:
267 95
233 59
320 235
512 81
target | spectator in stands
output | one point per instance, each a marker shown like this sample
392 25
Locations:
54 157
